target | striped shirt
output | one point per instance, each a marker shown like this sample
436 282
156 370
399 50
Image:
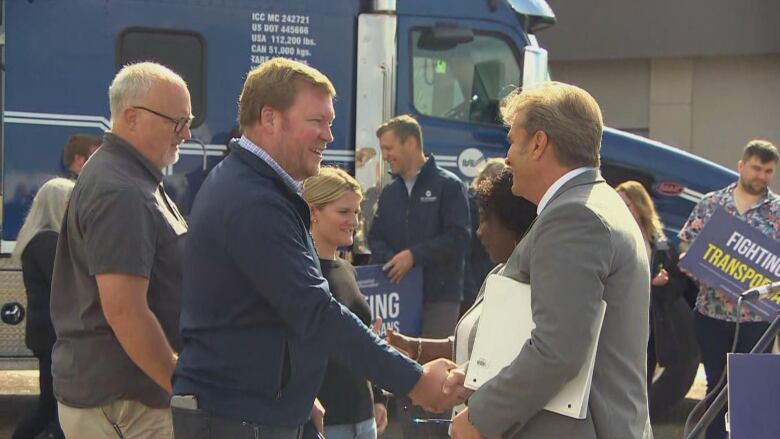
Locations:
248 145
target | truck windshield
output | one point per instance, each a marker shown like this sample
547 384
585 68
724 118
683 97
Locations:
465 82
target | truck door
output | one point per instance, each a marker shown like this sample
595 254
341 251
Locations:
452 77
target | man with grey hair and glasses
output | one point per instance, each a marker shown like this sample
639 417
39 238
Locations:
116 288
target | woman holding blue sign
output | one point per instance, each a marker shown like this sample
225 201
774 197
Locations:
672 350
351 411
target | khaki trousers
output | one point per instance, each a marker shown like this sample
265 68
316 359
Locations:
122 419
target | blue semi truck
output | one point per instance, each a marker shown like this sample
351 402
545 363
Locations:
448 62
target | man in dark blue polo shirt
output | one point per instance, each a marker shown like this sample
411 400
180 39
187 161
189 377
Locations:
258 321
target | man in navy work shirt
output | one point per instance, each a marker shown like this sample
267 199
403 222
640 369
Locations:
258 321
422 220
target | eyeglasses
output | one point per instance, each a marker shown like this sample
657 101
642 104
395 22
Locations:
178 124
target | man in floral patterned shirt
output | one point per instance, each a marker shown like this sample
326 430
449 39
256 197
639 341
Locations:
750 200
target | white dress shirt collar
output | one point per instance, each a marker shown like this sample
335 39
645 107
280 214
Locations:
557 185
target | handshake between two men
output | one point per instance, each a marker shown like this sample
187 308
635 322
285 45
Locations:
440 386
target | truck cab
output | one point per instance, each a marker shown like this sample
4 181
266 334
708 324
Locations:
451 67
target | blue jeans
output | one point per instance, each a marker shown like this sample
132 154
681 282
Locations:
362 430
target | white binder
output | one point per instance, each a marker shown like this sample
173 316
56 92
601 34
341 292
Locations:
506 310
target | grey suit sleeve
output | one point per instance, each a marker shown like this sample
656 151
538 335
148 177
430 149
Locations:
570 260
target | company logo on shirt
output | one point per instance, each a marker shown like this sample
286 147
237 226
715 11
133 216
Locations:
428 197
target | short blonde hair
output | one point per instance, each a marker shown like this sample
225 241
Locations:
275 84
403 126
134 81
569 116
648 216
327 186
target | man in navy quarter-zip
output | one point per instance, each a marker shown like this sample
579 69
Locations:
258 321
422 220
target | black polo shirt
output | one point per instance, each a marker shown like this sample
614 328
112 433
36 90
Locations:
119 220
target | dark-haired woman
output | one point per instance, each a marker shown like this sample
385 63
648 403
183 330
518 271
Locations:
503 220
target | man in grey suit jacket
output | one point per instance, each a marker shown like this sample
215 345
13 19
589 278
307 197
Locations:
584 247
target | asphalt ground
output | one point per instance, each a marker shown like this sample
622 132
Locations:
19 389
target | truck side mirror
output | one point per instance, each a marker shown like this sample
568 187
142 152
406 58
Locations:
12 313
444 36
535 68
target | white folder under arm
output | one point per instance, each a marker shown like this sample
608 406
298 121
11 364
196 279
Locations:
504 327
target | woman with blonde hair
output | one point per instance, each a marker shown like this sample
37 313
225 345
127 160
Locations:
36 245
642 208
672 351
351 410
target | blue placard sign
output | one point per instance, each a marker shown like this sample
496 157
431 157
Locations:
754 392
732 256
399 305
